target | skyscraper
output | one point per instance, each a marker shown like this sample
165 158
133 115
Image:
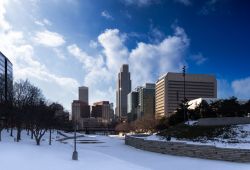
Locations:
133 103
80 110
141 102
146 100
169 91
103 110
84 94
6 78
123 89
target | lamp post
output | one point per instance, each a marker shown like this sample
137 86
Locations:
184 83
75 154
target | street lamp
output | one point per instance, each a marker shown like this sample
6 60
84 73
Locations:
184 100
75 154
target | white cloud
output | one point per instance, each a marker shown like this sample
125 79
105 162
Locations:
4 25
241 88
106 15
59 54
43 22
149 61
88 61
116 53
48 38
198 58
97 77
26 66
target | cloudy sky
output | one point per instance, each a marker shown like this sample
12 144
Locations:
62 44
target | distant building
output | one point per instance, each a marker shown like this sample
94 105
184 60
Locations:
123 89
141 102
146 100
103 110
170 91
80 110
84 94
133 102
6 78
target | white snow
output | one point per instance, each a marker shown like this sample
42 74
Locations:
110 153
240 141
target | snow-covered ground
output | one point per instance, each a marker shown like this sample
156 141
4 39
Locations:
240 139
104 153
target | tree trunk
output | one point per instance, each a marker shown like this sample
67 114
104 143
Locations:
0 135
49 136
11 131
18 138
28 132
37 141
38 135
32 134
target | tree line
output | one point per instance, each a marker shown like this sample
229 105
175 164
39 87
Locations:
220 108
211 109
26 108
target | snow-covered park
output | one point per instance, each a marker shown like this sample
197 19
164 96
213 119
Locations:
95 153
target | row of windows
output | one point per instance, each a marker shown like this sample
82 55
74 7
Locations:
2 64
2 58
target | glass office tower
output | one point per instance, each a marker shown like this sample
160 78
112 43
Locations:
6 78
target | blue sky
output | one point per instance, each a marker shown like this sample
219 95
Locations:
62 44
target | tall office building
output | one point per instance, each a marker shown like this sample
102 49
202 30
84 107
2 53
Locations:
84 94
133 102
6 78
80 110
103 110
146 100
123 89
141 102
170 91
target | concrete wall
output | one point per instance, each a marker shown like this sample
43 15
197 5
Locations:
182 149
223 121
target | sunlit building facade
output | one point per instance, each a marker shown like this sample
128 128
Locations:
123 89
169 92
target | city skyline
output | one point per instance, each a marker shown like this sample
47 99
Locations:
85 43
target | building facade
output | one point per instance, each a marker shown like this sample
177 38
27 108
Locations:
133 102
141 102
169 93
6 78
123 89
80 110
103 110
146 100
83 93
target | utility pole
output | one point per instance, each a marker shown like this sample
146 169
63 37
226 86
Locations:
184 99
75 154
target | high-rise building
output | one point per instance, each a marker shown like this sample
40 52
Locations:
141 102
133 102
146 100
80 110
84 94
123 89
6 78
103 110
170 91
